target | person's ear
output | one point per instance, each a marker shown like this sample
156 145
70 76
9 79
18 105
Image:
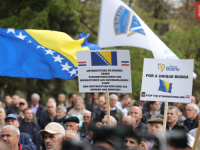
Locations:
17 124
18 136
78 127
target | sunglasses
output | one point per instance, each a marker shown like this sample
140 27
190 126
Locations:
86 116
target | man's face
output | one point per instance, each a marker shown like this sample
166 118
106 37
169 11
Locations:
104 109
12 121
172 117
113 101
87 118
102 100
28 115
34 101
51 108
130 143
9 138
105 123
154 128
136 113
22 106
190 112
72 126
61 98
52 141
96 95
2 114
15 100
126 120
155 106
126 102
8 100
193 100
60 114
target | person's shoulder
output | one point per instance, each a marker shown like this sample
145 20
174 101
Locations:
40 106
146 114
25 135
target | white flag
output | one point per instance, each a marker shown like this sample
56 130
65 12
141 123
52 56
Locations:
119 25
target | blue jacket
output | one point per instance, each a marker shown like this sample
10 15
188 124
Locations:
36 127
26 142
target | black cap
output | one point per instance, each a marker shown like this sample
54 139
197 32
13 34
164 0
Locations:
72 119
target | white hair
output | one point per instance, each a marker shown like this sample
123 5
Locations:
113 123
63 108
113 95
195 107
13 128
52 102
3 109
77 139
87 112
35 96
80 98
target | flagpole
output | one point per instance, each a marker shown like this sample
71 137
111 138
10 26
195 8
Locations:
165 117
108 108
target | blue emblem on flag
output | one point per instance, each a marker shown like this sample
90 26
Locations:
104 58
165 86
121 20
136 26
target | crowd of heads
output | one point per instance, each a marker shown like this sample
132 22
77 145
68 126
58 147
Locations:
70 122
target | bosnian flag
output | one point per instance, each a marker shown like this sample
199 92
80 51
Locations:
82 63
125 63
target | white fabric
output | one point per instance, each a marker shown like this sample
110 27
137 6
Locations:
119 25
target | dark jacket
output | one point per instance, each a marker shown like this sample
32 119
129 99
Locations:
61 121
101 116
26 142
147 116
119 114
83 130
178 127
13 110
142 128
36 127
83 138
47 121
39 113
192 125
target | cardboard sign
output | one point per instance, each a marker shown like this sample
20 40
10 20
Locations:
104 71
167 80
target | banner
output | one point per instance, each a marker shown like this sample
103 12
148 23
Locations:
104 71
119 25
167 80
41 54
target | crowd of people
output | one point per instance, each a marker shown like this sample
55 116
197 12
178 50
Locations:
73 123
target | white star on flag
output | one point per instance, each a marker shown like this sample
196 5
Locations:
11 30
21 36
49 51
40 47
58 58
29 41
66 66
72 72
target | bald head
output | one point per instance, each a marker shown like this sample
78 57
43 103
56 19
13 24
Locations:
136 112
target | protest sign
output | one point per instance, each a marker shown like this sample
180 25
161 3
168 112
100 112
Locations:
104 71
167 80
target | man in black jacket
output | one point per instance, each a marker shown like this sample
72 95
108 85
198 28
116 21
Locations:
192 116
153 113
14 109
29 127
172 117
136 112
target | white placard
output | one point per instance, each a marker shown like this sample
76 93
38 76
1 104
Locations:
104 71
167 80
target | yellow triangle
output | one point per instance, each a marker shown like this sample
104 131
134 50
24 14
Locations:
107 56
167 85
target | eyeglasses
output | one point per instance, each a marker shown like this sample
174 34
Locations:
86 116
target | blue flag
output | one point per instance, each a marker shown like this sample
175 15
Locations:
41 54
